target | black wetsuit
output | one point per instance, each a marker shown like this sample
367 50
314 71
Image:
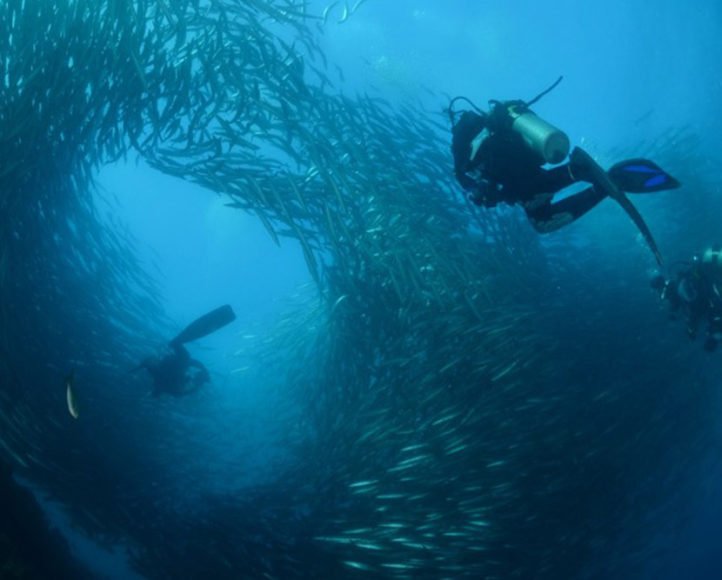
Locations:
171 374
505 169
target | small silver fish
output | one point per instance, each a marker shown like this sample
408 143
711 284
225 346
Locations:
70 397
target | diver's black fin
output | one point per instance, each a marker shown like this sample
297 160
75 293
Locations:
602 181
641 176
205 325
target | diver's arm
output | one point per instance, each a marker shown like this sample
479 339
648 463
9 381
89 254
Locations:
203 370
485 193
200 378
466 181
465 145
470 124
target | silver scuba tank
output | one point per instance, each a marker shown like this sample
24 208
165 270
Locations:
544 138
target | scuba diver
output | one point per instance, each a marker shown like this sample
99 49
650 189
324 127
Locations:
696 291
498 158
176 373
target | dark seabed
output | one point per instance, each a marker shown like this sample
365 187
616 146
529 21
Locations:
413 387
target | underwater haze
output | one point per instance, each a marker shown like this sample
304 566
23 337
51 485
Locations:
252 327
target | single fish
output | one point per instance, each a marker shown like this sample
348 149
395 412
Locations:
70 397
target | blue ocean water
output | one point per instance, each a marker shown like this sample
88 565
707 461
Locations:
632 71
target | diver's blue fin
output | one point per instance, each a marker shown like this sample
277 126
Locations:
205 325
641 176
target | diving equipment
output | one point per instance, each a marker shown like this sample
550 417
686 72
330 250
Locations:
205 325
550 143
641 176
600 179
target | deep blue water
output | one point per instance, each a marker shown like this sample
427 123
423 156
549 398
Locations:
632 69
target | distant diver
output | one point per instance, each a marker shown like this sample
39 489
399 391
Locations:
696 292
176 373
498 158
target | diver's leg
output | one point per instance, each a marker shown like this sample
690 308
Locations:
535 185
181 354
549 217
197 364
554 179
200 377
